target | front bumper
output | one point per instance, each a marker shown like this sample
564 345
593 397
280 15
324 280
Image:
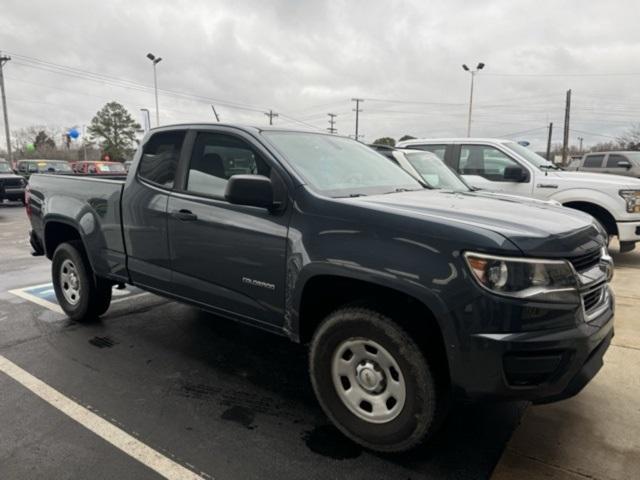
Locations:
629 231
13 193
539 366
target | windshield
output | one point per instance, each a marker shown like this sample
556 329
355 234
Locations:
435 172
111 167
338 166
5 168
532 157
55 166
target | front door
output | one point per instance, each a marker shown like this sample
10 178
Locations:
486 167
228 257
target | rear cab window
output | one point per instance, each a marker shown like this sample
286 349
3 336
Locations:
159 161
593 161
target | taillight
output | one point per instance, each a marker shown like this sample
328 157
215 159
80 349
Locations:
27 197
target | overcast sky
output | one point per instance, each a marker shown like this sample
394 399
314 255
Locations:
306 59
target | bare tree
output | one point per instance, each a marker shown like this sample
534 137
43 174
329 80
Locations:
630 140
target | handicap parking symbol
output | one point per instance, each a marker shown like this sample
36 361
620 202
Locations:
45 295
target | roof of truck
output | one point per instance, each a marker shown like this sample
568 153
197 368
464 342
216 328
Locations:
241 126
454 140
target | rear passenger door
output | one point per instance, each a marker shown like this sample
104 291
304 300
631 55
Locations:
593 163
230 258
144 210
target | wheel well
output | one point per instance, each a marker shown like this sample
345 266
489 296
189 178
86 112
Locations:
56 233
325 293
597 212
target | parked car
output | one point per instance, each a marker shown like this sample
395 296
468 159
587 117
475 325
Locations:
28 167
617 163
408 296
505 166
11 185
99 168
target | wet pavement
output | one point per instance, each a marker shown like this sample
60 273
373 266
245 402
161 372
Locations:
222 399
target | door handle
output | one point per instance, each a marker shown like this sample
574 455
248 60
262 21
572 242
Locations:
184 215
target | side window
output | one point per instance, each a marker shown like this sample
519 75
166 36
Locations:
160 157
439 150
217 157
485 161
612 161
593 161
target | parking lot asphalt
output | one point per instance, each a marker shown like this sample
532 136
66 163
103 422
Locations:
217 398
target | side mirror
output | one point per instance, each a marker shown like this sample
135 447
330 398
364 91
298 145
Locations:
515 174
252 190
624 164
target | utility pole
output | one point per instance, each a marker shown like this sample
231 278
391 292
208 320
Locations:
549 142
357 110
4 59
271 114
567 115
84 142
332 123
215 113
580 139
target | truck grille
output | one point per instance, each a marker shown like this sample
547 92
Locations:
592 299
586 261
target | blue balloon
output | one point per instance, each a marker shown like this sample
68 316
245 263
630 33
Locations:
74 133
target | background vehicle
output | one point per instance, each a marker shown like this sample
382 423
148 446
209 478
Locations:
618 163
11 185
407 295
27 167
505 166
99 168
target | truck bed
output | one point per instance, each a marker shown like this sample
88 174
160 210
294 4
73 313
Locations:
91 205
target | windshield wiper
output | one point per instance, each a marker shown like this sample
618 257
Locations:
351 195
551 167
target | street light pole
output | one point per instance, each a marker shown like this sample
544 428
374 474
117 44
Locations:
4 59
479 67
155 60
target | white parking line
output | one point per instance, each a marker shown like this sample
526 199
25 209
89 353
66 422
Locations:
37 300
98 425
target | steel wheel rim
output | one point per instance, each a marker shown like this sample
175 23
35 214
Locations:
70 282
368 380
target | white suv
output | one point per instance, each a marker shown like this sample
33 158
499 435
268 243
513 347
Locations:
506 166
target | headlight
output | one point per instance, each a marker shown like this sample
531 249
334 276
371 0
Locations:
632 199
534 279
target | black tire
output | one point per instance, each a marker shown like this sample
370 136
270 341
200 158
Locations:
94 295
425 403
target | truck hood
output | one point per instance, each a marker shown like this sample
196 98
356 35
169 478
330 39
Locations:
537 229
588 179
9 175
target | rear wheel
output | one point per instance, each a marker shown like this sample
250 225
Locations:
373 381
81 296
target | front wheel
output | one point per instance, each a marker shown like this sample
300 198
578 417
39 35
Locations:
81 296
373 381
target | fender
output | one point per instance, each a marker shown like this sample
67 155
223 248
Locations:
588 195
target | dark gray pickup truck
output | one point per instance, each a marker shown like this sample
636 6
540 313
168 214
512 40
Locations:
409 296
